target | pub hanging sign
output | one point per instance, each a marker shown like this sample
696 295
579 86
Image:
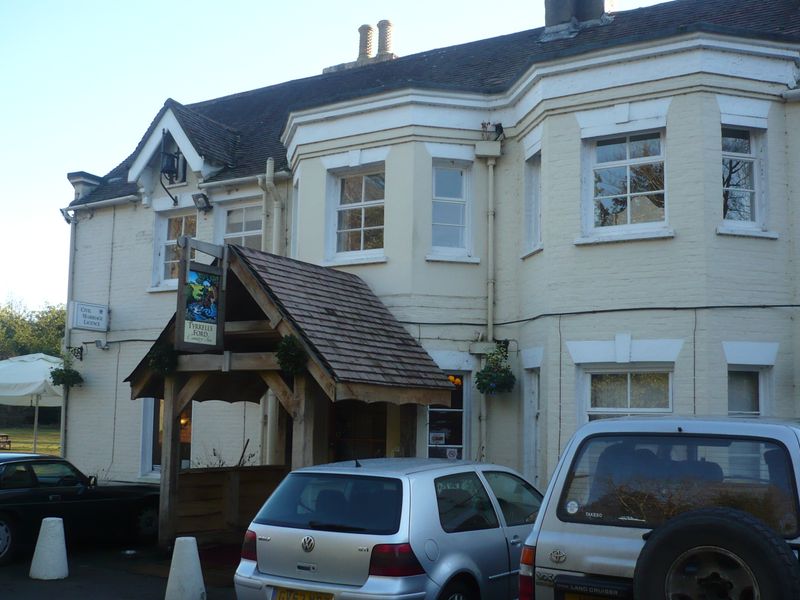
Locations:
199 318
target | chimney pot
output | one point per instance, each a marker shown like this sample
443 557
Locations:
558 12
384 37
365 43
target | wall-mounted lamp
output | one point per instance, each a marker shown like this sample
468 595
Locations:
202 202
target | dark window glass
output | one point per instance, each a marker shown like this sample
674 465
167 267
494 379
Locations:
328 502
463 503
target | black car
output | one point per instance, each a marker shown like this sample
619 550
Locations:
35 486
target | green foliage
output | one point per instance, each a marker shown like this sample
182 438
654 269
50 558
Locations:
292 356
27 332
65 376
162 358
496 376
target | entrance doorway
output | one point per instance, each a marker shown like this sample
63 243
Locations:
375 430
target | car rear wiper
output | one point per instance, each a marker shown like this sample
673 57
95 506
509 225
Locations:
335 527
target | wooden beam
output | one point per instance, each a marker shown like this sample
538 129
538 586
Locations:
302 425
236 328
188 391
238 361
170 465
281 390
140 383
396 395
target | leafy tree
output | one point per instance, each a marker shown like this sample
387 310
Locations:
27 332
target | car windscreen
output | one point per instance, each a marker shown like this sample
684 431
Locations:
643 480
335 502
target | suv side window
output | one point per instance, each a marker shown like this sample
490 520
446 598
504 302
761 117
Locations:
463 503
15 477
518 500
643 480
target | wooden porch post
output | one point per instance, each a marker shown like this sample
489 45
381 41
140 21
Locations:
170 465
303 424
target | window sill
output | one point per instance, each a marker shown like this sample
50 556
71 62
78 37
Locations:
655 234
344 261
471 260
745 232
163 287
532 252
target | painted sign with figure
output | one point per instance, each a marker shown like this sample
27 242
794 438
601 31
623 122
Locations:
200 308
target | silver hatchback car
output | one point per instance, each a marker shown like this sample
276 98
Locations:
392 528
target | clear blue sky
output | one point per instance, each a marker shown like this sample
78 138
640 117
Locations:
80 81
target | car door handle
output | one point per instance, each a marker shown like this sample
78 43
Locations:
515 541
53 497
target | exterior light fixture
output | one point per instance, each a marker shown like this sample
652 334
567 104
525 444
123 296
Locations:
202 202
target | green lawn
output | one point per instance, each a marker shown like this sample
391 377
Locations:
22 438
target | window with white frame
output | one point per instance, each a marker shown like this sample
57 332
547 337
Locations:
243 226
740 176
628 181
533 203
616 392
176 226
450 215
750 369
360 212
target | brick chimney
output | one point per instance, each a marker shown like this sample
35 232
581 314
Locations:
83 183
366 48
564 18
558 12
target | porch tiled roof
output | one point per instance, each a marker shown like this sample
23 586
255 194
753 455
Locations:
346 324
248 126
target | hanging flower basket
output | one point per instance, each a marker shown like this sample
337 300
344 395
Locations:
65 376
496 376
292 357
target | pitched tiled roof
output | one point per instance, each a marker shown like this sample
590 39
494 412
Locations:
345 323
249 124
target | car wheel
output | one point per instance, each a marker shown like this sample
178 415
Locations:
716 553
146 524
8 541
457 590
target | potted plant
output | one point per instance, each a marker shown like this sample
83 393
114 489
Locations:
496 376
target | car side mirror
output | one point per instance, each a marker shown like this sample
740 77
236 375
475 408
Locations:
92 480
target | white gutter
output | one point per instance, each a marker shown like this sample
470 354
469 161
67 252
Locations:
792 95
104 203
241 180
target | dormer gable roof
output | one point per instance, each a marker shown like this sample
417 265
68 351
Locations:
206 144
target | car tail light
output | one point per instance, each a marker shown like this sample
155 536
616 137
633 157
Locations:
527 561
249 546
394 560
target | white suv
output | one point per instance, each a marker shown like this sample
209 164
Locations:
670 509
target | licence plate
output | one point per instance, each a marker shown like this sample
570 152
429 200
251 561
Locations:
287 594
573 596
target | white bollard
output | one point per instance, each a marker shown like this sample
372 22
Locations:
185 575
50 556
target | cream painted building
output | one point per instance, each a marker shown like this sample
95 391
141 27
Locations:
614 195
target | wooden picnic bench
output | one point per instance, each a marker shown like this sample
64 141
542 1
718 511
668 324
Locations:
5 442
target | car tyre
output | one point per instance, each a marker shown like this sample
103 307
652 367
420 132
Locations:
8 539
715 553
458 590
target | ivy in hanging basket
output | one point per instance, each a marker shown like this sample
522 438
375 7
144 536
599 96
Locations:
292 357
65 376
496 376
162 358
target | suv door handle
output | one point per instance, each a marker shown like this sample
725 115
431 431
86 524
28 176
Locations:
515 541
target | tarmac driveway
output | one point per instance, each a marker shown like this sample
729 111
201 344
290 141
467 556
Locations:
100 573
